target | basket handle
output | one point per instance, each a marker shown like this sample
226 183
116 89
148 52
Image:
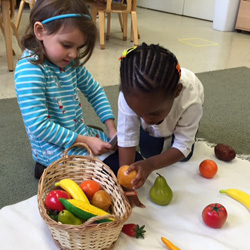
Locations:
96 218
77 144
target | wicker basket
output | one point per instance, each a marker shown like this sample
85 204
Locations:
89 235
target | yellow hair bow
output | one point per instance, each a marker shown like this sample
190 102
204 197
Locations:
127 51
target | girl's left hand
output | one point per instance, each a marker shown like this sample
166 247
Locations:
112 133
110 124
113 142
143 169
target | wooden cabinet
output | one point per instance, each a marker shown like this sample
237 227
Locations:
243 19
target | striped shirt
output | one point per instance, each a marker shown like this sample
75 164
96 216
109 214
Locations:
51 108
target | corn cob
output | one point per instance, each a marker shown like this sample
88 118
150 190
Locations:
84 210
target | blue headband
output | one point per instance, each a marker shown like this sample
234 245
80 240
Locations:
64 16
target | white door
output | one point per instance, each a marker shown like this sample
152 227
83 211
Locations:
203 9
171 6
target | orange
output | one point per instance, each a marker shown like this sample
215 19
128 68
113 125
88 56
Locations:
208 168
90 187
101 199
123 179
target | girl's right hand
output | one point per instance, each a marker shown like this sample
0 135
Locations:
96 145
143 169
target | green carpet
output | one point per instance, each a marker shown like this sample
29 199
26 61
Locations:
226 116
226 120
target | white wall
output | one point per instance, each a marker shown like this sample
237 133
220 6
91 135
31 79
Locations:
203 9
171 6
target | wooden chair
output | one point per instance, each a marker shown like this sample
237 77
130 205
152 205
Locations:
6 24
133 12
115 7
134 7
20 10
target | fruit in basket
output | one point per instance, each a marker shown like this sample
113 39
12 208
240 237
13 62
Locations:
134 230
66 217
73 189
52 200
83 210
208 168
160 193
125 179
214 215
224 152
101 199
90 187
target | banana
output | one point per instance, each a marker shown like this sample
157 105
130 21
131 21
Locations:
73 189
238 195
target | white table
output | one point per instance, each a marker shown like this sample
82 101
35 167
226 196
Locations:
21 227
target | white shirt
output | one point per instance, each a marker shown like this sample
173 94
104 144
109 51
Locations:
182 121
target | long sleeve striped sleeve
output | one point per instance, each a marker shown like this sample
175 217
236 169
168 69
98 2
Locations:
51 108
31 88
95 95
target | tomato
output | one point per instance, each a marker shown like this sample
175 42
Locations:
90 187
208 168
52 200
214 215
101 199
124 179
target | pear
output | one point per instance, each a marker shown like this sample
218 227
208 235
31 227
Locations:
160 193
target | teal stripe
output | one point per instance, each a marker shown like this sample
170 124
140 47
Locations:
50 106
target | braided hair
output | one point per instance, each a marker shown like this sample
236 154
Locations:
149 68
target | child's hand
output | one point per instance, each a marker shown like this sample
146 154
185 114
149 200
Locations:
135 202
112 131
110 124
96 145
143 169
133 199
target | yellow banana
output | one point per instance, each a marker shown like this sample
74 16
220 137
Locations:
73 189
238 195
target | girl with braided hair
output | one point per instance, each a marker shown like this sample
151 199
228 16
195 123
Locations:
159 110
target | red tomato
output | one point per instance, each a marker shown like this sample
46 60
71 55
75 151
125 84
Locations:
90 187
214 215
52 200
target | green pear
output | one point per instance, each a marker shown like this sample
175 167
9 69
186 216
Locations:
160 193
